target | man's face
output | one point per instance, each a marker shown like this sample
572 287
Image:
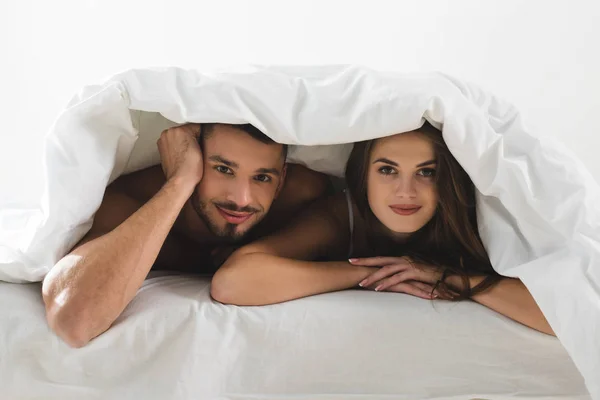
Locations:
241 178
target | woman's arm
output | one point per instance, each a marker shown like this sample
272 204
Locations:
510 298
279 268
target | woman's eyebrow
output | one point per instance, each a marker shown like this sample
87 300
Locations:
395 164
387 161
434 161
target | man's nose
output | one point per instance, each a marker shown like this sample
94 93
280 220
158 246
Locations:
239 192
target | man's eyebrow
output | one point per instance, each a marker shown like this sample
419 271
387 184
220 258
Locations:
233 164
273 171
222 160
387 161
434 161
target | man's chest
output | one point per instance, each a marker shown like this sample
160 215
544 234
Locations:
188 249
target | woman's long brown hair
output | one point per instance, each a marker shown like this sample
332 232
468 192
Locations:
450 240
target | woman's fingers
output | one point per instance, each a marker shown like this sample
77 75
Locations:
413 290
391 281
377 261
407 274
387 284
382 273
413 287
398 272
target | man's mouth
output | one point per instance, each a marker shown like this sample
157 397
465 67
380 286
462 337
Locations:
234 217
405 209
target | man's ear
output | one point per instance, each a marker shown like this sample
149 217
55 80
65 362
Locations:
281 180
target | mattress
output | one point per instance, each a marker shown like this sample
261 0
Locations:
174 342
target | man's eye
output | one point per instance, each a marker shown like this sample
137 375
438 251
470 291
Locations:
386 170
224 170
427 172
263 178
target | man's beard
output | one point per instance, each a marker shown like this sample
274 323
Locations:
227 233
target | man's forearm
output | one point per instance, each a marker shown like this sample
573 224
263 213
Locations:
88 289
260 279
510 298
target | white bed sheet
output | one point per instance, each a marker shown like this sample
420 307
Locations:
174 342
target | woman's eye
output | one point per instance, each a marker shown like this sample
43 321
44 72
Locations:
224 170
386 170
427 172
263 178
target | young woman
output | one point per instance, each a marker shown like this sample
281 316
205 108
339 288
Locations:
406 223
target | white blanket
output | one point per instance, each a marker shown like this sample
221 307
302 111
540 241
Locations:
537 205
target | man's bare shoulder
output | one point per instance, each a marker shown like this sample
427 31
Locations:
141 185
335 208
124 197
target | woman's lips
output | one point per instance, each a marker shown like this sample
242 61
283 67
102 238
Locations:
233 217
405 209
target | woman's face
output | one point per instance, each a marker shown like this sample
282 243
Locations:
401 182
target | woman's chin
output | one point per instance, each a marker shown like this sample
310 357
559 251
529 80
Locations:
399 232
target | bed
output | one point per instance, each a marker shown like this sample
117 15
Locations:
174 342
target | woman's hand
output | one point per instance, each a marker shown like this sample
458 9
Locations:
402 275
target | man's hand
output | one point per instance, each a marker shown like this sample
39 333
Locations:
180 153
400 274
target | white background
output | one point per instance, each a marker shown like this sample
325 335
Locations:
541 55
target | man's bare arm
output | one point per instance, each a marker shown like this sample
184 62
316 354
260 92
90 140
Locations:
88 289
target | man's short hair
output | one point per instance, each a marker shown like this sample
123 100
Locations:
250 129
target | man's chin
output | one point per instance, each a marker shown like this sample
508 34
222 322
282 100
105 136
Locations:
233 233
227 231
235 237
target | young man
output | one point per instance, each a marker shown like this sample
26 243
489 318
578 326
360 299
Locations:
208 193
